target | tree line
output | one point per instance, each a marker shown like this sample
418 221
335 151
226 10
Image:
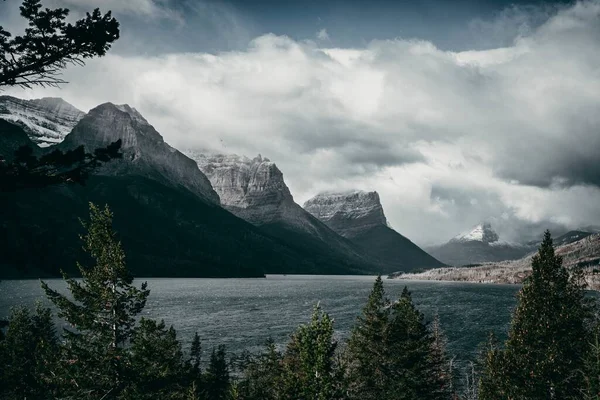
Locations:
107 351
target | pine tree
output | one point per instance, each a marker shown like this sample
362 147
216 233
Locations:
101 315
493 372
195 354
50 44
366 348
28 354
308 364
408 373
547 342
156 363
592 365
262 375
440 364
217 384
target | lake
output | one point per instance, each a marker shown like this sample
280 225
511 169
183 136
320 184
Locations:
243 313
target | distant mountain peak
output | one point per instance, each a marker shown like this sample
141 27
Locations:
47 121
482 232
349 209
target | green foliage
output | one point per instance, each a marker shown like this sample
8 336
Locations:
27 171
393 355
156 362
308 369
101 314
50 44
28 353
440 364
217 385
308 363
546 347
262 375
366 346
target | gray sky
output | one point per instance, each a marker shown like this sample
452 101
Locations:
479 111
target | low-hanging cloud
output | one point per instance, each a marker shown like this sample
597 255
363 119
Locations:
447 138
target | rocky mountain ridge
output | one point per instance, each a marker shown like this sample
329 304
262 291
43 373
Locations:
167 215
254 190
47 121
358 216
145 152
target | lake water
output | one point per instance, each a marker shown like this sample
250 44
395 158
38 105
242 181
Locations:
243 313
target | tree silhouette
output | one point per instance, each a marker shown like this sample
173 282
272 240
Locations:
50 44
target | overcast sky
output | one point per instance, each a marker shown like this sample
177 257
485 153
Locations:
455 112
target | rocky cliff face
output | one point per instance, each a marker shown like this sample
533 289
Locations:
359 216
253 189
46 121
348 213
145 152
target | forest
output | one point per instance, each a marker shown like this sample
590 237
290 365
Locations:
107 351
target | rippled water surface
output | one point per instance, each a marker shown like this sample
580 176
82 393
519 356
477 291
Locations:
243 313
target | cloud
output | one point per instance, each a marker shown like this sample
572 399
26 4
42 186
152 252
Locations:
322 34
448 139
146 8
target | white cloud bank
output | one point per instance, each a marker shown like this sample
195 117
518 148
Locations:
448 139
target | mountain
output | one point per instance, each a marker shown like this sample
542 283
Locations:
145 153
584 253
12 138
46 121
255 190
572 237
166 213
359 217
480 244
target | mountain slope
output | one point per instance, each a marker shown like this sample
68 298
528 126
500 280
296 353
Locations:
12 137
359 217
584 253
166 213
254 190
46 121
145 153
480 244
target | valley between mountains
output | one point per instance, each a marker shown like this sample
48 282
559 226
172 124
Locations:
194 214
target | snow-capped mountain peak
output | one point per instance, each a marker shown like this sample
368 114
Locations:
46 121
480 233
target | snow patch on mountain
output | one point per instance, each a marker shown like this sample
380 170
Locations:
480 233
46 121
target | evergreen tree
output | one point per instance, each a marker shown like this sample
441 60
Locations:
547 343
592 365
101 315
309 371
50 44
27 171
217 384
366 346
262 375
493 372
156 363
195 354
440 364
28 354
408 372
